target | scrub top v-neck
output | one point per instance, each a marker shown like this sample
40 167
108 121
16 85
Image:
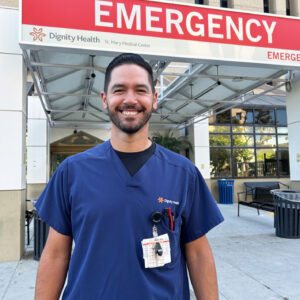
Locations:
133 161
93 198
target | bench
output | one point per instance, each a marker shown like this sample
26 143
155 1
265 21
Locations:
261 197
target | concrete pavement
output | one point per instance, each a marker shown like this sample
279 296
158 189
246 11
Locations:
252 263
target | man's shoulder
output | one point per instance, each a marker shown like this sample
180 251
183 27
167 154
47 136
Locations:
96 152
175 159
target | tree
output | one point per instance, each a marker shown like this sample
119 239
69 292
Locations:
172 143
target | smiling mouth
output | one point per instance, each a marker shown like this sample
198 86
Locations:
129 112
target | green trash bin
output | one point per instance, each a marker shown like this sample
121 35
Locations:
287 213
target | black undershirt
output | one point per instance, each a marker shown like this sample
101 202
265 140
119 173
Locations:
133 161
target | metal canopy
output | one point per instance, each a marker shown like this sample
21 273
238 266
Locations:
205 59
69 86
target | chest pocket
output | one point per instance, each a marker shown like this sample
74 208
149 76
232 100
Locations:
174 236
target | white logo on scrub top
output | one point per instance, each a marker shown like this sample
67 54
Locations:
161 200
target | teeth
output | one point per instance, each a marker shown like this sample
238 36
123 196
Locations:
129 113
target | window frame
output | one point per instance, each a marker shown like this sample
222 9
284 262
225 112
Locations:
231 125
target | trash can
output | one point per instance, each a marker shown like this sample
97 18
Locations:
225 191
41 230
287 213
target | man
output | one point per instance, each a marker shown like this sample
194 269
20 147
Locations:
138 213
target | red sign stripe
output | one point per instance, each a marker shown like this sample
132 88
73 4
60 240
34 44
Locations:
81 15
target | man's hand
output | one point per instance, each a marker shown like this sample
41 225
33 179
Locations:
53 266
202 269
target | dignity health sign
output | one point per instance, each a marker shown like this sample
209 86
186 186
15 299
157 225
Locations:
161 28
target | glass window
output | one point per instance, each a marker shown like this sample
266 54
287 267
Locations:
223 117
242 116
281 117
219 129
288 8
219 140
283 160
266 162
199 1
220 162
265 140
282 130
264 116
243 140
244 162
264 129
283 141
249 143
242 129
266 6
223 3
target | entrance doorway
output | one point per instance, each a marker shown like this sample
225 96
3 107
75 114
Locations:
70 145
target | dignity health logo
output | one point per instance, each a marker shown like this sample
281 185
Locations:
37 34
162 200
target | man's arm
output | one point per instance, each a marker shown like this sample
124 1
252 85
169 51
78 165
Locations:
53 266
202 269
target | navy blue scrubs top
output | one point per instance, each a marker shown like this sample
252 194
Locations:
93 198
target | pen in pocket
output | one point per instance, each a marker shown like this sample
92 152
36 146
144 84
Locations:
170 216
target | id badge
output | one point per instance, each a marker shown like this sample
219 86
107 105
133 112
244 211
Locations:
156 250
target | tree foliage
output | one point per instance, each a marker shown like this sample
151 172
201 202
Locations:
169 141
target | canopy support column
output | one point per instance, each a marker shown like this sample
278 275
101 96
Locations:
37 149
12 139
293 117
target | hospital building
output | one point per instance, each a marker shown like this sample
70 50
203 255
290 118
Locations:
227 75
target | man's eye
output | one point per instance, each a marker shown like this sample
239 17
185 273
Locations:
118 91
141 91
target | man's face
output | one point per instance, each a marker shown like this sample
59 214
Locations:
129 98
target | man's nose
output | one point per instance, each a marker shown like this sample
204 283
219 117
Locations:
130 97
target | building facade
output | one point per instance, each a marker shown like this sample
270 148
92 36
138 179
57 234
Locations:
244 143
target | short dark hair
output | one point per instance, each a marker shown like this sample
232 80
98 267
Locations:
128 59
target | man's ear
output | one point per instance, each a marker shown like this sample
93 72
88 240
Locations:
154 106
104 99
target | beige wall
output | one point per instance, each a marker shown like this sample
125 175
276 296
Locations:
12 220
206 2
33 192
9 3
253 5
188 1
208 182
278 7
212 3
295 7
56 134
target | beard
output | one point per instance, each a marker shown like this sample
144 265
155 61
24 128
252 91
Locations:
126 126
